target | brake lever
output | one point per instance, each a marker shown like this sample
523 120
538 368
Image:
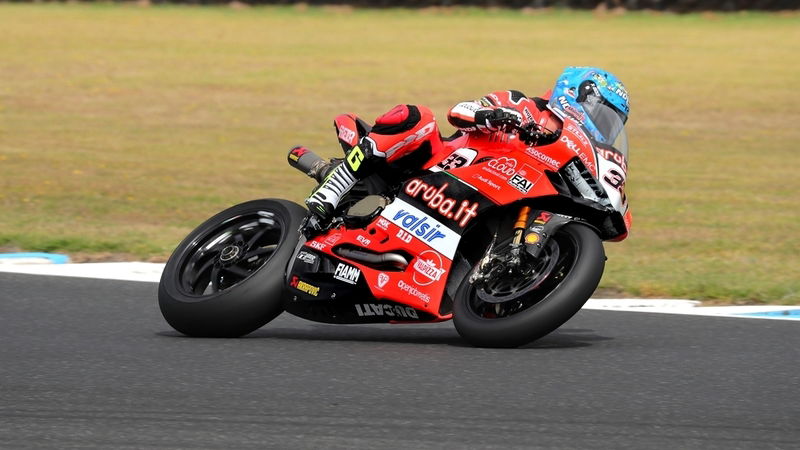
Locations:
530 134
312 226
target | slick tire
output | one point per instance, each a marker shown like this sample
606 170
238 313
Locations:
578 280
226 279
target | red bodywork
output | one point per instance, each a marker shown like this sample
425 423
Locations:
497 169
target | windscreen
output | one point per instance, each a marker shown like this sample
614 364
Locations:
609 122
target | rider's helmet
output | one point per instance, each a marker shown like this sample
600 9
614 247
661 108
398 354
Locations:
583 93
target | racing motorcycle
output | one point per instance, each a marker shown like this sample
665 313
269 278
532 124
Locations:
503 237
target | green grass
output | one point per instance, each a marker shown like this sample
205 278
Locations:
121 127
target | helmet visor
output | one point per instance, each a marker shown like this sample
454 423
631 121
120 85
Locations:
609 122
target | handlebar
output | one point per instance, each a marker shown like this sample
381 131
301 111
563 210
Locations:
528 133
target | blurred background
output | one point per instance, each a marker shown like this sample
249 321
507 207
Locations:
125 125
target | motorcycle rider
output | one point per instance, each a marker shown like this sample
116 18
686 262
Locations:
409 132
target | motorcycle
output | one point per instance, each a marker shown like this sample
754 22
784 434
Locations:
503 237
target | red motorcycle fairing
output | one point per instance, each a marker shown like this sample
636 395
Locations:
423 225
327 289
508 170
396 268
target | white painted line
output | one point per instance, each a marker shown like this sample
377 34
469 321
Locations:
692 307
127 271
667 304
151 272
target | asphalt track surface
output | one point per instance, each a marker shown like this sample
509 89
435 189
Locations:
91 364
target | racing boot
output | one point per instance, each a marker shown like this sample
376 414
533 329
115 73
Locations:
326 197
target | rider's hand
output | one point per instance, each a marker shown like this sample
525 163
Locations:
534 135
502 119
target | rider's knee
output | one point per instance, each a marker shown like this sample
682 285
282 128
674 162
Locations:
404 130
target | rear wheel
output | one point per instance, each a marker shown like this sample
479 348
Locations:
515 307
226 278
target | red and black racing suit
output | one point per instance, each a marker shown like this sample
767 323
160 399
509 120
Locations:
410 133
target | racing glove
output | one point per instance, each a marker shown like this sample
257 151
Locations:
498 119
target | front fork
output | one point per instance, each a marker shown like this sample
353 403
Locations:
508 262
529 239
519 229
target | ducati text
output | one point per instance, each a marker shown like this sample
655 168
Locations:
372 309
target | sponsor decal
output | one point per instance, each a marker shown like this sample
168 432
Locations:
469 106
417 224
486 181
528 116
436 200
347 273
317 245
304 287
363 241
570 144
419 135
297 152
346 134
372 309
382 280
532 238
521 183
413 291
525 178
578 133
422 226
614 157
428 268
333 239
578 151
404 236
571 110
306 257
383 224
506 166
543 218
599 79
541 157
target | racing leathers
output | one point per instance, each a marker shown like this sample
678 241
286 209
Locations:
407 131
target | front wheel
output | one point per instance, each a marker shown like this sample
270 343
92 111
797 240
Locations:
226 278
514 310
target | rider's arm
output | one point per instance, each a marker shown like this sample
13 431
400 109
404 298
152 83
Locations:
488 114
463 116
467 117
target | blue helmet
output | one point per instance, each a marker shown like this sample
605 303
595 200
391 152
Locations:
583 93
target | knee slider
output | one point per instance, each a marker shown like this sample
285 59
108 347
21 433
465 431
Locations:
401 118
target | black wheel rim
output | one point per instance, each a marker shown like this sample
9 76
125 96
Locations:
229 253
506 296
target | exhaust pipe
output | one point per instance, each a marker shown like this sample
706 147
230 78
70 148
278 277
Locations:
308 162
374 258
